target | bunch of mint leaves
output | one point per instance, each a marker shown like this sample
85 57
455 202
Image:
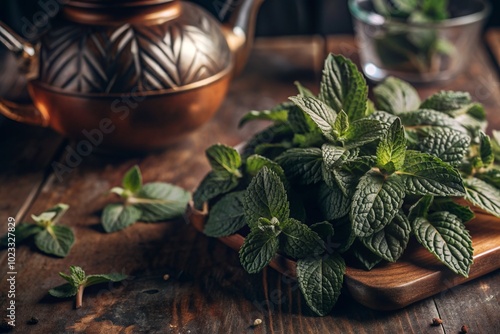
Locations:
338 178
409 48
151 202
49 236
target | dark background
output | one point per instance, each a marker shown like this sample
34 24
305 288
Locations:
276 17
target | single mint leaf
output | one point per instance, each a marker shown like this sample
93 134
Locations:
301 123
52 215
391 241
274 133
447 144
266 197
223 158
161 201
366 258
23 232
324 230
444 235
464 213
485 149
491 176
392 148
104 278
333 204
396 96
375 203
55 240
331 162
343 87
430 120
361 132
424 174
227 216
302 165
77 274
132 181
116 217
278 114
483 195
255 163
64 291
320 113
259 248
213 185
383 117
341 124
298 240
320 280
447 101
303 91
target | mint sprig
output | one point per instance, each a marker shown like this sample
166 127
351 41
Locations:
78 281
49 236
149 203
342 179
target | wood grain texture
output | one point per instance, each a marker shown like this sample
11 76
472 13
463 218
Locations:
208 291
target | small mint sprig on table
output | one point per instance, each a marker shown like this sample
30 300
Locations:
149 203
49 237
78 281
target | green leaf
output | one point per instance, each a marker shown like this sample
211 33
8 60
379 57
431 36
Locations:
132 181
266 197
364 256
464 213
332 202
429 119
435 9
491 176
116 217
23 232
274 133
341 124
259 248
278 114
227 216
375 203
52 215
361 132
332 160
161 201
425 174
324 230
444 235
320 280
320 113
301 123
391 241
343 87
303 165
396 96
447 144
255 163
104 278
55 240
77 274
223 158
447 101
421 208
483 195
64 291
303 91
344 236
485 149
299 241
214 185
392 148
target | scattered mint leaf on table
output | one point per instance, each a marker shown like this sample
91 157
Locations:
78 281
149 203
339 179
49 236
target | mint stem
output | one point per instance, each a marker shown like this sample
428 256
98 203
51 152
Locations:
79 296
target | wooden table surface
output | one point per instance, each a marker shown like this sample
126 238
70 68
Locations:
208 291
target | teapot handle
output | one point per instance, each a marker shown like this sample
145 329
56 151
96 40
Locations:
27 58
24 113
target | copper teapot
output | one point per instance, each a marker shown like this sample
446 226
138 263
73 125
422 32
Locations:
130 74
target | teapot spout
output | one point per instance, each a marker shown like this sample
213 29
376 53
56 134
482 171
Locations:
25 52
240 30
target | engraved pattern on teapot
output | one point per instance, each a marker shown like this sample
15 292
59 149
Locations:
115 59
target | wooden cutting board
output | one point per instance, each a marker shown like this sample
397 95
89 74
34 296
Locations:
416 276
